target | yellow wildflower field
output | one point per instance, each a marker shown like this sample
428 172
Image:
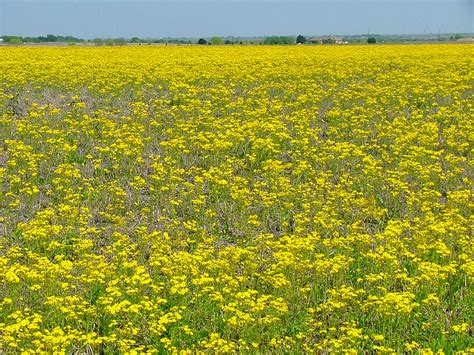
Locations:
236 199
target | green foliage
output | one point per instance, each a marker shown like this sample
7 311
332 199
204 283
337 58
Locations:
217 40
41 39
202 41
12 39
371 40
301 39
278 40
51 38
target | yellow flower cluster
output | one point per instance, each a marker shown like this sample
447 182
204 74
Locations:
236 199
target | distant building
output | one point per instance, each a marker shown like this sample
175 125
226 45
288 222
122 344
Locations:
466 40
327 40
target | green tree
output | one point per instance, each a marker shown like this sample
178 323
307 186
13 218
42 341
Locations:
278 40
301 39
30 39
51 38
371 40
217 40
202 41
14 40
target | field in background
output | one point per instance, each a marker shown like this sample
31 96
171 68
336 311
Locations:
222 199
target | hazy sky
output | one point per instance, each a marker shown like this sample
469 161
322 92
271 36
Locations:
194 18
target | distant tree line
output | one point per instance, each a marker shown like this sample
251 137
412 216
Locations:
271 40
279 40
41 39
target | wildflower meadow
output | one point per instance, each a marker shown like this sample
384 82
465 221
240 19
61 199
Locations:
236 199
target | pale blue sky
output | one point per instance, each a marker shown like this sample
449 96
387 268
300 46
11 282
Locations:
195 18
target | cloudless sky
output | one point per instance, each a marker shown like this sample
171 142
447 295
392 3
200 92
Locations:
195 18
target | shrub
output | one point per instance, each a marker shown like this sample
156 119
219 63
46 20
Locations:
301 39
